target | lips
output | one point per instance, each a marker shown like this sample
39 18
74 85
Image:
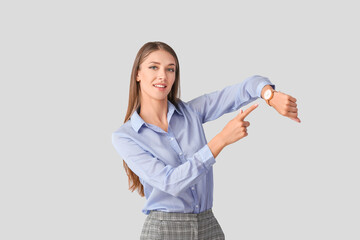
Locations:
160 86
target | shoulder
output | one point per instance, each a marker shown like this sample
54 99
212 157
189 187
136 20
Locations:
185 107
124 128
124 131
125 139
180 104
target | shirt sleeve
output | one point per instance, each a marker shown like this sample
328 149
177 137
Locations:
155 172
213 105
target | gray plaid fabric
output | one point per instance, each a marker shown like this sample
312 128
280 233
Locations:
181 226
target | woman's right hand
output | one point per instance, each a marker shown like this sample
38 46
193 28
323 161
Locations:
236 129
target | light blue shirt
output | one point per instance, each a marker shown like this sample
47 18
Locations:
175 167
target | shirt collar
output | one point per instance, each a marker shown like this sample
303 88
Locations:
137 122
171 108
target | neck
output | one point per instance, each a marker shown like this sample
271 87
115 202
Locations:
154 111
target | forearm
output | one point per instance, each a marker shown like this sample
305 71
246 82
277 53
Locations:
216 145
213 105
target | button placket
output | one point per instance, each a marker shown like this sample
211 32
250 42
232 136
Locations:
175 145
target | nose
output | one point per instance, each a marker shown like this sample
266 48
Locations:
162 74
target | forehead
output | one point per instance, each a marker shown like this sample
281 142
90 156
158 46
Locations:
160 56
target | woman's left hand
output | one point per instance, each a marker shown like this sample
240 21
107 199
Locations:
285 105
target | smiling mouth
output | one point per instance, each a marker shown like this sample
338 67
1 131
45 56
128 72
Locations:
159 86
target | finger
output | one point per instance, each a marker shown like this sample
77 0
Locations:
291 104
245 124
291 115
238 116
292 109
243 115
292 99
296 119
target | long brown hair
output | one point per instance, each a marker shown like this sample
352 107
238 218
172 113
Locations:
134 97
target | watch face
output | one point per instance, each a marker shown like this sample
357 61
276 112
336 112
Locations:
267 94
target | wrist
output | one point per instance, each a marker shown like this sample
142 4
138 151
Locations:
271 101
267 94
221 140
264 89
217 144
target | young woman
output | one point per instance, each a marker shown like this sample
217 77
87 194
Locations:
166 155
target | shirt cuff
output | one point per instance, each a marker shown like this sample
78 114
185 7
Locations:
264 81
206 156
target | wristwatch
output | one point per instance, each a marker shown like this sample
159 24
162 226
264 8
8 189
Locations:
268 95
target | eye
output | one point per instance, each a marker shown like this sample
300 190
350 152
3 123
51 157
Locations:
171 69
153 67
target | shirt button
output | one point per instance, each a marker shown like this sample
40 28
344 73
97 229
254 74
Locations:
197 206
171 138
192 188
180 154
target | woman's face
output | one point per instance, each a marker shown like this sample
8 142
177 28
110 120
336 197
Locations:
156 76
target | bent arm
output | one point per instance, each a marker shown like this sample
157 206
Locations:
169 179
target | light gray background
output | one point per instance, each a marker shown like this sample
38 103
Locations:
65 69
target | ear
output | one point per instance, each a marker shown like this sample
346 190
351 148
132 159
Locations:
137 77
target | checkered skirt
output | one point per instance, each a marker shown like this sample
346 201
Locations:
181 226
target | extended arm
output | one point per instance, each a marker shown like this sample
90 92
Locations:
213 105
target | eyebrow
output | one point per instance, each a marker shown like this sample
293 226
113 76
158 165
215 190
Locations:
159 63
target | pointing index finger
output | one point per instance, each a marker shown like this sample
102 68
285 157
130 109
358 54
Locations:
243 115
